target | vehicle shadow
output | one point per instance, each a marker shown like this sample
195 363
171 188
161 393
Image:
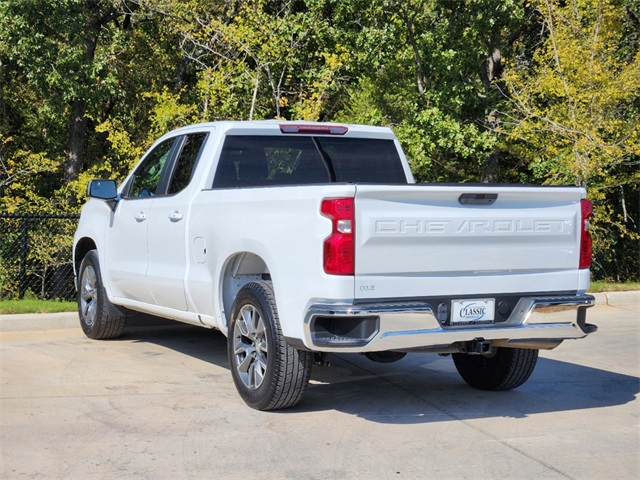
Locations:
418 389
427 388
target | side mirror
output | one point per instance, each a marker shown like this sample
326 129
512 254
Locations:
102 189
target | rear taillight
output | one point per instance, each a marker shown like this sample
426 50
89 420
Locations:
339 247
585 236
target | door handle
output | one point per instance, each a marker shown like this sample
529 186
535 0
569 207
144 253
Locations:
175 216
141 217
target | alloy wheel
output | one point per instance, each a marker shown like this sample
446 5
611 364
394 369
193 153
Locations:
250 347
88 295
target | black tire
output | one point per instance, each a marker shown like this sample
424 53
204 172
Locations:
506 369
268 373
96 312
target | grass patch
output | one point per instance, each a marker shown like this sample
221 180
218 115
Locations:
602 286
36 306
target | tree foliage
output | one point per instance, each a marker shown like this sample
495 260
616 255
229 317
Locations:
573 112
539 91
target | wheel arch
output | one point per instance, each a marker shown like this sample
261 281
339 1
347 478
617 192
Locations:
239 269
82 247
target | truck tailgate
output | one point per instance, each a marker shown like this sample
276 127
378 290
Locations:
423 240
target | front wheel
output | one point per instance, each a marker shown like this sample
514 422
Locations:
268 373
504 369
95 310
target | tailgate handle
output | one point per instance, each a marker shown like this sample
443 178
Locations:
478 198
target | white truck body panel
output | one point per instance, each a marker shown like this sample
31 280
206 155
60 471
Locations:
284 228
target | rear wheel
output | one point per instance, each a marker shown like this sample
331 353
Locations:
95 310
268 373
504 369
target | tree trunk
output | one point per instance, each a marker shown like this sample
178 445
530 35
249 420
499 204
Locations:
76 142
411 38
78 121
493 69
490 170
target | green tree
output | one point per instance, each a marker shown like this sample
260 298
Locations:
73 79
476 90
428 68
573 113
259 59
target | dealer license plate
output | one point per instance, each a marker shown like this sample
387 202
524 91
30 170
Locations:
473 312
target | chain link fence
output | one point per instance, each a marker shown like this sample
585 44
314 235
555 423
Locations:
35 256
621 264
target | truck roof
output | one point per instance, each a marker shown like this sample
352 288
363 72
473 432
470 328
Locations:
275 127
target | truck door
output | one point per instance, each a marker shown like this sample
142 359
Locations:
126 238
167 253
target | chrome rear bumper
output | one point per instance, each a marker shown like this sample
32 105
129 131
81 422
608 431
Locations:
537 322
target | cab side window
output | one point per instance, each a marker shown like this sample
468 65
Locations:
146 178
186 162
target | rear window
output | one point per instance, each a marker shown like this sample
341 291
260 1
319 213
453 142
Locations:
299 160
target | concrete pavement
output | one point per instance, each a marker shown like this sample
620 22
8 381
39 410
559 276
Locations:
160 403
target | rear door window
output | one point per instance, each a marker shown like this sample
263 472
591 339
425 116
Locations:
186 162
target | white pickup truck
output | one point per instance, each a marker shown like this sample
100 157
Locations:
297 239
